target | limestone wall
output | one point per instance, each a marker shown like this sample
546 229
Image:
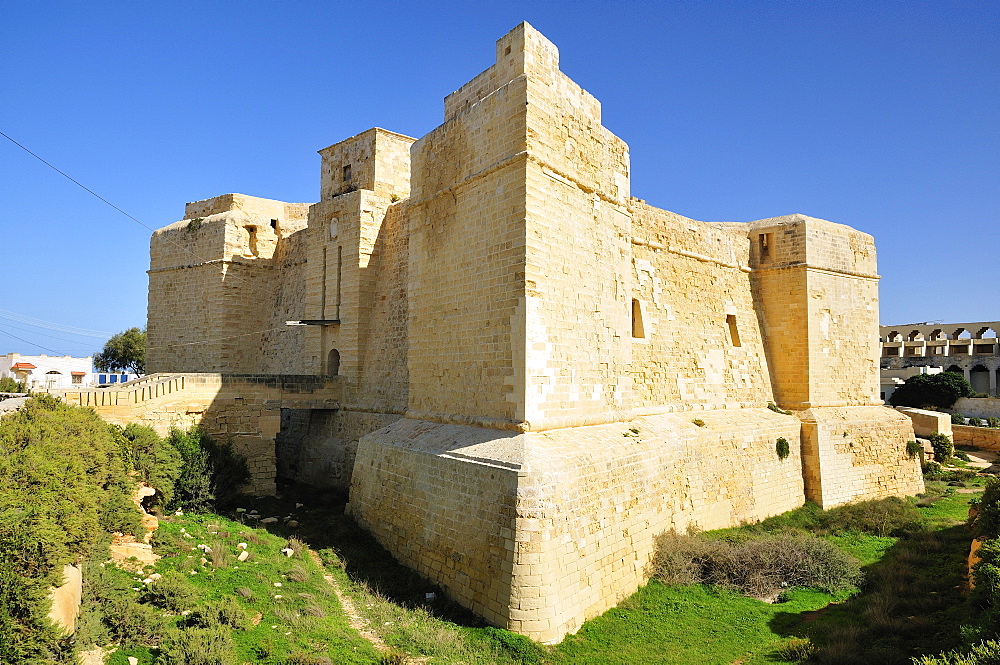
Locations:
927 423
855 453
466 264
541 531
208 276
981 437
978 407
696 352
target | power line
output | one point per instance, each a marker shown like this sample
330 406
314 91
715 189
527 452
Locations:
88 189
35 332
51 325
31 343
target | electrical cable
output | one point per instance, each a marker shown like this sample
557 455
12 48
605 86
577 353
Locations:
51 325
31 343
80 184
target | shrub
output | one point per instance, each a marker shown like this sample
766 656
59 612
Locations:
9 385
984 653
781 448
936 390
173 592
993 422
157 461
518 647
975 422
957 419
759 566
931 470
891 516
985 521
962 455
64 486
942 447
913 449
796 649
226 612
198 646
211 473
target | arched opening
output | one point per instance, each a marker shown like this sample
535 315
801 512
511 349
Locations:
962 333
955 369
938 334
333 363
894 337
915 336
638 329
979 378
985 333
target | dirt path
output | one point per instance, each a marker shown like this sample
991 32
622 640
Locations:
355 620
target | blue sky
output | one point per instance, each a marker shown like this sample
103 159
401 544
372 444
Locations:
880 115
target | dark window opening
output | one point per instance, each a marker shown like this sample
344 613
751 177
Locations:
734 334
274 224
638 330
333 363
347 173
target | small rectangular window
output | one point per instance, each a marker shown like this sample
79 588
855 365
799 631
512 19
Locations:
638 330
734 334
347 173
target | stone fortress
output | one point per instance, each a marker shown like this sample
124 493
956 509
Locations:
528 373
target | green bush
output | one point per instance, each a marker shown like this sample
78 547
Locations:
984 653
64 486
985 520
173 592
993 422
934 390
942 447
913 449
986 573
198 646
158 462
962 455
211 473
975 422
9 385
226 612
957 419
796 649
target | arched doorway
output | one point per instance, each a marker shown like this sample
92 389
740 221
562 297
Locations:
333 363
979 378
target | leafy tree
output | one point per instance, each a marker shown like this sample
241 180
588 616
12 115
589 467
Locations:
9 385
124 352
935 390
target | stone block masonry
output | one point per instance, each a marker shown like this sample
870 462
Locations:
538 373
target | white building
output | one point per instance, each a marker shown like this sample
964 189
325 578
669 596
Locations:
48 372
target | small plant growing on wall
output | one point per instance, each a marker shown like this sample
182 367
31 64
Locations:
975 422
782 448
195 224
777 409
699 422
942 447
632 432
912 449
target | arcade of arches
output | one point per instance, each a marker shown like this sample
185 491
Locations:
972 349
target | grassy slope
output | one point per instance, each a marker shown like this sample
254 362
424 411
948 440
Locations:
306 619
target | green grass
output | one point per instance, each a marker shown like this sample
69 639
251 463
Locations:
301 617
686 624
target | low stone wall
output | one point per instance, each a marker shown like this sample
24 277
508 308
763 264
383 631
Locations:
927 423
978 407
987 438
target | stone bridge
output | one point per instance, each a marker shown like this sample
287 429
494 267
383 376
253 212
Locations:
242 408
